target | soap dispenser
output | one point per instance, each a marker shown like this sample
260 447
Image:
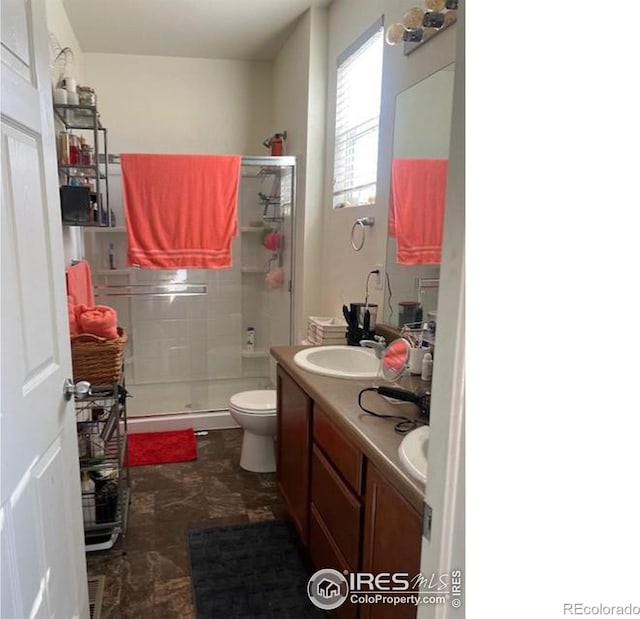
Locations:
427 366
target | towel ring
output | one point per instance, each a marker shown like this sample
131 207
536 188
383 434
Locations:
362 222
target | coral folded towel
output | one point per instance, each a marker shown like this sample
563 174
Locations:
73 320
181 210
79 285
416 210
99 320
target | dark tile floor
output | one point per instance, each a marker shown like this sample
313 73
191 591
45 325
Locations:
152 580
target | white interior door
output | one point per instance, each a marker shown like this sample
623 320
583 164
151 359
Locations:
42 546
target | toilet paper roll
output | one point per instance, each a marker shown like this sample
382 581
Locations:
60 96
68 83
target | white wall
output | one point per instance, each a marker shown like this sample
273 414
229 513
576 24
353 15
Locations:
182 105
58 25
299 107
344 271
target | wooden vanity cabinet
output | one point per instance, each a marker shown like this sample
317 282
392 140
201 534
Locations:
294 450
392 540
348 516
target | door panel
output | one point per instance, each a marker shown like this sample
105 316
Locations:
23 164
44 569
16 33
9 607
23 524
49 475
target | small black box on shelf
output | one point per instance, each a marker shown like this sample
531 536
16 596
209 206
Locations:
76 205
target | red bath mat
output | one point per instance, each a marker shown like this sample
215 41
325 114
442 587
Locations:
161 447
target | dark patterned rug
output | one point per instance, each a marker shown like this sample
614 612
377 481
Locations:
249 571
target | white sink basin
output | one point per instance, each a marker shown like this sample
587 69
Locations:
413 453
339 361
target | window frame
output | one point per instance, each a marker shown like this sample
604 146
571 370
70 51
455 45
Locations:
377 27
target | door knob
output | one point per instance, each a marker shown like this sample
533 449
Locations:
80 390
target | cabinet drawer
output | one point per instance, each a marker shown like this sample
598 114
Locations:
324 554
339 508
346 458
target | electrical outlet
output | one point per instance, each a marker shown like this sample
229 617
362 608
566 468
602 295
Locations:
379 276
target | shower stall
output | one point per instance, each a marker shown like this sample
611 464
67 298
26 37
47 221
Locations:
198 336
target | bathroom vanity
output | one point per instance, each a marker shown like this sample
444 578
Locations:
351 502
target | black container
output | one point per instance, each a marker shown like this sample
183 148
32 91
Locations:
409 312
76 205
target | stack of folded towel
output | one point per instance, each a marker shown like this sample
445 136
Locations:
323 331
99 320
84 315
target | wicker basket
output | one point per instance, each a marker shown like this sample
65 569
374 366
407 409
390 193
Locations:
97 359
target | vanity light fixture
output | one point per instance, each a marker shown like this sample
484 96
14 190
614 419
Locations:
421 24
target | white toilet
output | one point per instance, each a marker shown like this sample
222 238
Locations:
255 411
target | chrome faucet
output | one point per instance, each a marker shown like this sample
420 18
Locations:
378 344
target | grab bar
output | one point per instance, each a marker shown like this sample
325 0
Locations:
159 290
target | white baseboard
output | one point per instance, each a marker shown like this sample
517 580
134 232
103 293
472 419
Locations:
206 420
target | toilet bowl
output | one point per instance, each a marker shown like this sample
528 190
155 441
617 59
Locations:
255 412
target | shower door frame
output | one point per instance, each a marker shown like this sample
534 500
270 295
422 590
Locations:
283 161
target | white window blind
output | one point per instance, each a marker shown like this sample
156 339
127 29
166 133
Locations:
359 85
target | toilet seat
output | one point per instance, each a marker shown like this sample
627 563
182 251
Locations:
258 402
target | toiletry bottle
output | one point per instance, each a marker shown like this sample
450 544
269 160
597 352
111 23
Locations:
112 257
250 342
427 366
88 499
63 148
74 149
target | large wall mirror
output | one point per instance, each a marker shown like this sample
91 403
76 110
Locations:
422 131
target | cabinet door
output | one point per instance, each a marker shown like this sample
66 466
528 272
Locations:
294 450
392 540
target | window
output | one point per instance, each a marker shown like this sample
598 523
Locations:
358 92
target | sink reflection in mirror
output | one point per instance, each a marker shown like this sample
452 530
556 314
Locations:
422 131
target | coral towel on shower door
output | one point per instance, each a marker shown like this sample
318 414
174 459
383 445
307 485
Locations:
416 209
181 210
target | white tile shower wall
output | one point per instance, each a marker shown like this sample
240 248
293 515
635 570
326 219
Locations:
188 338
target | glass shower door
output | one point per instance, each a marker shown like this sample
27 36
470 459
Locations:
189 352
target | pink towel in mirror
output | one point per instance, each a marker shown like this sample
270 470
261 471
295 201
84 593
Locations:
416 209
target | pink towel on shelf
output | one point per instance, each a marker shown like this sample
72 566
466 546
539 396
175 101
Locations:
79 285
181 210
99 320
416 209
